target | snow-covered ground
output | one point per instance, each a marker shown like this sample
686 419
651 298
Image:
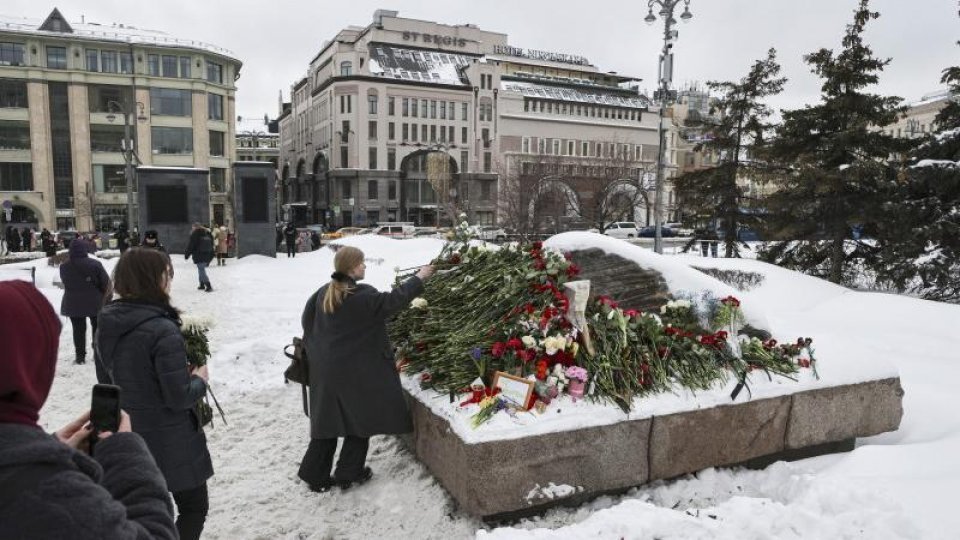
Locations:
897 485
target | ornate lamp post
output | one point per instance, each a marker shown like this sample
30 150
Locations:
128 151
666 78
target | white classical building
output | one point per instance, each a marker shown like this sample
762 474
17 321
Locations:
410 120
63 89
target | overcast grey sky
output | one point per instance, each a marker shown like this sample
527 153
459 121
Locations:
276 39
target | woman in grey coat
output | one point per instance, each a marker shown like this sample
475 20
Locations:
143 352
354 387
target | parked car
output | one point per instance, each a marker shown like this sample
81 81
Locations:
622 230
395 230
489 233
651 232
679 229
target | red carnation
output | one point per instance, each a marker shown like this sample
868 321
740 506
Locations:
529 308
498 349
631 313
538 245
515 344
425 377
573 271
539 264
454 259
731 301
567 255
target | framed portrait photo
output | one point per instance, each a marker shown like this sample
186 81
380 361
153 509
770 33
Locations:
516 390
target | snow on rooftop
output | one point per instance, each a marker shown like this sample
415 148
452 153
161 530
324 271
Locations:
113 32
543 91
417 65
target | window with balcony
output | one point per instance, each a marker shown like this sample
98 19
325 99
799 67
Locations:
171 140
171 102
14 135
106 138
57 57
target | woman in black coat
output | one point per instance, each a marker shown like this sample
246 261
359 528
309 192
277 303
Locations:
86 286
200 247
354 387
143 352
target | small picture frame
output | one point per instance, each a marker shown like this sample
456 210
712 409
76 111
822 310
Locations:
515 390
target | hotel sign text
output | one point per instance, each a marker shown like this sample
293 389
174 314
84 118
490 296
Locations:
540 55
434 38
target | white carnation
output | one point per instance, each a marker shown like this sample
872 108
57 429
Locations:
419 303
529 341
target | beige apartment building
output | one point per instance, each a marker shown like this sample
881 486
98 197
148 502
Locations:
64 89
410 120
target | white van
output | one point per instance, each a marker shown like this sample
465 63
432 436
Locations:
396 230
622 230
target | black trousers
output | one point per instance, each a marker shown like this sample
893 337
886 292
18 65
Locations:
318 461
80 334
291 248
192 507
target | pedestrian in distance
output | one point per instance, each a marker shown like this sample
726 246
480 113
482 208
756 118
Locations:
58 486
47 243
315 241
86 287
290 237
26 239
222 236
151 240
200 247
354 386
122 237
143 352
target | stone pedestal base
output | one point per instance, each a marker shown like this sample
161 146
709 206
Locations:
508 479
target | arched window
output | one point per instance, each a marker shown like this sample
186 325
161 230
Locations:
346 68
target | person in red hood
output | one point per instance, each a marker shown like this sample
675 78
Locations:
50 486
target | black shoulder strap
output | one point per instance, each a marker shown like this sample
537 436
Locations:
24 478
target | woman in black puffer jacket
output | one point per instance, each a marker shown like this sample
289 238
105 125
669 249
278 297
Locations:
143 352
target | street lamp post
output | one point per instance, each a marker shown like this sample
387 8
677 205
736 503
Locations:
666 77
128 153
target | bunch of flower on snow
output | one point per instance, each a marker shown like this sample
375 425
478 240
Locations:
489 310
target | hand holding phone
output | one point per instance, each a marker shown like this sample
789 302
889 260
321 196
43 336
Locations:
105 409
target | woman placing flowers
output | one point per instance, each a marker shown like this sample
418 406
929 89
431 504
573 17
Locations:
354 387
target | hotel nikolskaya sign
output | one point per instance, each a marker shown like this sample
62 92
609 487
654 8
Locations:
532 54
434 38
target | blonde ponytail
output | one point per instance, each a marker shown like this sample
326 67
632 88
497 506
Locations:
345 261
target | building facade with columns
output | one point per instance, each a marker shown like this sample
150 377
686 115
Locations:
64 87
411 120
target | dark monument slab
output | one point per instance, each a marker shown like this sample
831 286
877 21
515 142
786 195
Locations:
170 200
255 210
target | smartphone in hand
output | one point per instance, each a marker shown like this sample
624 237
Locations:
105 409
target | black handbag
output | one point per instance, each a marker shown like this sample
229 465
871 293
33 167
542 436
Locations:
299 370
204 412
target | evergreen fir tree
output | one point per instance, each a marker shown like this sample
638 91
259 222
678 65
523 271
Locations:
738 126
920 242
835 160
